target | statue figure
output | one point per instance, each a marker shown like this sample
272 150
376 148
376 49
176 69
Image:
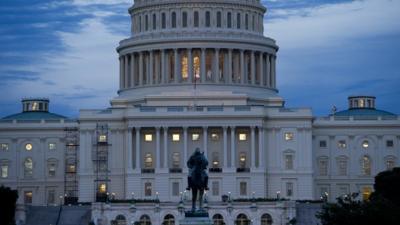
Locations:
197 177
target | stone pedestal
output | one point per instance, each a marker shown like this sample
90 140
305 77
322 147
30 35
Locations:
196 218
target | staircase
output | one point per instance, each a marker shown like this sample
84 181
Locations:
48 215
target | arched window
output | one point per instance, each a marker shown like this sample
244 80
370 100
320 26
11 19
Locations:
145 220
163 21
238 21
196 19
173 20
169 220
218 219
184 19
208 19
366 165
242 219
146 25
154 21
229 19
120 220
28 167
219 19
266 219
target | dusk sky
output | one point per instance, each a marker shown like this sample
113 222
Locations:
329 49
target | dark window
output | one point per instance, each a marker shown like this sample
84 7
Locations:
154 21
173 20
196 19
208 19
238 21
246 20
163 21
389 143
147 22
322 144
184 19
219 19
229 20
140 23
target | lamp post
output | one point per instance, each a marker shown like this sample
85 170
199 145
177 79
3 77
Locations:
278 195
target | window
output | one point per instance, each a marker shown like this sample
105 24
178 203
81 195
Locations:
289 136
242 137
238 20
102 188
51 169
218 219
289 162
366 193
145 220
323 167
242 160
28 147
173 20
215 160
4 147
28 167
176 137
342 167
253 26
148 189
184 19
102 138
51 197
120 220
195 137
219 22
243 188
175 188
214 136
266 219
176 160
52 146
208 19
169 220
365 144
289 189
196 19
342 144
322 144
163 21
366 166
28 197
229 19
154 21
71 168
146 25
246 21
184 65
148 137
4 171
215 188
390 163
242 219
389 143
148 160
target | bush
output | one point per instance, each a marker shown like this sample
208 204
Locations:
7 205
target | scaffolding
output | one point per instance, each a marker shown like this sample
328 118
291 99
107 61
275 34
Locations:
71 165
100 161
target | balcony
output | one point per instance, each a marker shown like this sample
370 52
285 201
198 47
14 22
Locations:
148 170
243 170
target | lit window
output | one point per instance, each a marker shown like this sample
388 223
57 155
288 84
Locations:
102 188
148 189
242 160
366 165
342 144
148 137
35 106
176 137
196 66
4 171
214 137
176 160
102 138
52 146
288 136
361 103
389 143
184 66
148 160
175 189
365 144
289 189
366 193
28 147
71 168
4 147
322 144
242 137
28 197
243 188
195 137
28 167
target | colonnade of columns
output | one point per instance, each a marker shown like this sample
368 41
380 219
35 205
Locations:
226 66
254 136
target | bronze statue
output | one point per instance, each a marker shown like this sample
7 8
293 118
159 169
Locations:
197 177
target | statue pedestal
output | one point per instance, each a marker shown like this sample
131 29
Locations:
196 218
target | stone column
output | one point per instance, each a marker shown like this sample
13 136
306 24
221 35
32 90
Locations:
233 145
230 66
126 74
253 147
129 150
190 65
261 154
253 68
268 70
203 74
137 163
132 73
185 145
158 151
164 78
176 69
205 141
261 68
225 131
140 68
121 72
216 65
242 69
165 147
151 68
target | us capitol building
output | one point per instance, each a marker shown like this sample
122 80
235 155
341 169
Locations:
196 73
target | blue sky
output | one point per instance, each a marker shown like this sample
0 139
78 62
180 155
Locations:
65 50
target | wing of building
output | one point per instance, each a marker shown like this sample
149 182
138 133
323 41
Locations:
196 73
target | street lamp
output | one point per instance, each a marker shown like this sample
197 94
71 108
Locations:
278 195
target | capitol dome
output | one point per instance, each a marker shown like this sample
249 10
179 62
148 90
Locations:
182 50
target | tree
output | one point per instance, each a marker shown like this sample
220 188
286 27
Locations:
382 208
7 205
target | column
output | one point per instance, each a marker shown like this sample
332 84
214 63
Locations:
164 78
229 66
121 72
233 145
216 65
268 70
126 75
129 149
253 147
158 152
140 68
253 68
176 69
165 147
205 137
151 69
190 65
225 132
261 154
137 163
261 68
185 145
132 73
203 74
242 71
